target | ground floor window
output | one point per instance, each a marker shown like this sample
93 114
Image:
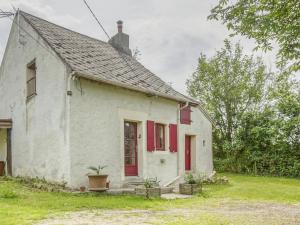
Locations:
160 137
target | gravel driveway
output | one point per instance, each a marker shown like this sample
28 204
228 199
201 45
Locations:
234 212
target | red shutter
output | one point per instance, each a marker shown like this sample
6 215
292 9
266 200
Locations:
173 137
150 136
185 115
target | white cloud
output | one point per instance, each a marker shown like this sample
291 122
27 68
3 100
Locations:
170 34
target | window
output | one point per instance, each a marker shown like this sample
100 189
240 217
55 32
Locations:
156 137
160 136
31 79
185 114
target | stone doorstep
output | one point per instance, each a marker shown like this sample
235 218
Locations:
133 184
165 190
120 191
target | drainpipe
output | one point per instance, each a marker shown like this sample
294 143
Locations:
185 105
18 22
178 152
178 133
68 114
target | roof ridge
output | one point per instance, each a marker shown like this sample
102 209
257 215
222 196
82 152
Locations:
23 12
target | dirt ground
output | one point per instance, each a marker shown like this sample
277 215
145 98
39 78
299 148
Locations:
234 212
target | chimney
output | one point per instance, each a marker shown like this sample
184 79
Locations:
120 26
121 40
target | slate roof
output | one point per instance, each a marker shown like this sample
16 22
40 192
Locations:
98 60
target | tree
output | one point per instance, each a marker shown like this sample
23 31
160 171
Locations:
269 139
265 21
286 97
229 84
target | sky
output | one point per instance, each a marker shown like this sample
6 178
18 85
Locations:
170 34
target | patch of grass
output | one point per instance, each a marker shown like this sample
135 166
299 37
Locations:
24 205
256 188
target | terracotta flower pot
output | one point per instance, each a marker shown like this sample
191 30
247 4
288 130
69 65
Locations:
97 182
82 189
2 168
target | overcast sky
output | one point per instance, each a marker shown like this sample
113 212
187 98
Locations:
170 34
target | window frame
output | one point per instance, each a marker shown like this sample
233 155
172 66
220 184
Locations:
158 129
31 67
185 114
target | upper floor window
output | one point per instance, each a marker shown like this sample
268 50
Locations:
31 79
160 136
185 114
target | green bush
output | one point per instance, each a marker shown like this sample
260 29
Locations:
265 144
40 184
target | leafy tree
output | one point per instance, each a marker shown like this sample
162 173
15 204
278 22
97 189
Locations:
229 84
265 21
269 140
257 118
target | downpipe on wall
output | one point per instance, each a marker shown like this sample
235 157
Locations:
179 108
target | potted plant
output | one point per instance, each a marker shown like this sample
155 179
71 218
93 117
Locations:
82 188
191 185
150 189
2 168
97 181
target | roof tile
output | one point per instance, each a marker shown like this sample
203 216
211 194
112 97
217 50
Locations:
99 59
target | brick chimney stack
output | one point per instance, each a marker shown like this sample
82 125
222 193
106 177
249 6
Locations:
120 26
120 41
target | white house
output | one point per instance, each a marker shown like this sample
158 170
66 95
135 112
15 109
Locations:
69 101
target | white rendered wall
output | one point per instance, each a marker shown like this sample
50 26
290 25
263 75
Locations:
200 130
97 134
39 133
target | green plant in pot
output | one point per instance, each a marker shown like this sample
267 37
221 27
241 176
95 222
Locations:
97 180
192 185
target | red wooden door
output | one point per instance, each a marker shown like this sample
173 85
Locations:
187 152
130 149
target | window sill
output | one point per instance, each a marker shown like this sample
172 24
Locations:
186 123
161 152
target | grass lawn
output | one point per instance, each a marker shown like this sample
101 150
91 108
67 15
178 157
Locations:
21 205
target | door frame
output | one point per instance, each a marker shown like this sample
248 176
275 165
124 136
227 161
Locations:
188 160
6 124
136 172
8 152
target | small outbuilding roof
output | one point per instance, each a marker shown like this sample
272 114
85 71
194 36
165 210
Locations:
97 60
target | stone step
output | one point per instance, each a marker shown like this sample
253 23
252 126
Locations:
175 184
120 191
166 190
132 184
